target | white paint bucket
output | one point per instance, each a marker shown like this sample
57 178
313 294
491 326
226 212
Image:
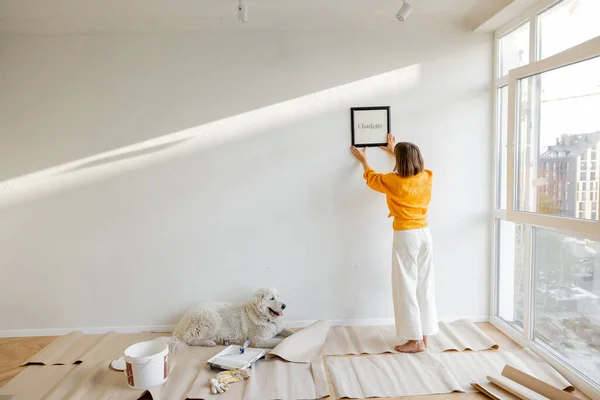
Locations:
146 364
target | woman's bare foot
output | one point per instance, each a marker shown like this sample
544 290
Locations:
425 341
412 346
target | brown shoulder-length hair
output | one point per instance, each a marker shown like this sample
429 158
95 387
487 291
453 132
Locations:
409 161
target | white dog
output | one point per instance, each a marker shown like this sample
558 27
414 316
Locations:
260 320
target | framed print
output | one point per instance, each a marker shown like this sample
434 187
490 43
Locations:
370 126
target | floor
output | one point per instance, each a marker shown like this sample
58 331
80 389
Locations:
14 351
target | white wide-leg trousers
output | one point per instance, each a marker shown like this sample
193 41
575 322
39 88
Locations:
412 284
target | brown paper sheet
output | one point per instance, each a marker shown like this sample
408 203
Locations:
77 347
471 367
303 345
35 381
300 347
494 392
190 375
98 381
70 382
188 379
459 336
392 375
455 336
535 384
514 388
276 379
346 340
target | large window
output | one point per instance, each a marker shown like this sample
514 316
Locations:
566 317
547 164
559 122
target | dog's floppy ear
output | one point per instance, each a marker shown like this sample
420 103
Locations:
259 296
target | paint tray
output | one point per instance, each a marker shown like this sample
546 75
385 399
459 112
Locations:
230 358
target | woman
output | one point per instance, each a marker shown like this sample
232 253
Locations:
408 193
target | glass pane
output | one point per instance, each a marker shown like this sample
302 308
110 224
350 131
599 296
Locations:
558 128
513 49
566 296
510 272
502 149
568 24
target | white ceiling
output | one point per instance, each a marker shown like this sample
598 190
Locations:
79 16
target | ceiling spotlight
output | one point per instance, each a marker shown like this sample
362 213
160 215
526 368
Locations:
404 12
242 12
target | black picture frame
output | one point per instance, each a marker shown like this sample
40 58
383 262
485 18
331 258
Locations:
381 140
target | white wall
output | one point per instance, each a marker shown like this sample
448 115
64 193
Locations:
269 197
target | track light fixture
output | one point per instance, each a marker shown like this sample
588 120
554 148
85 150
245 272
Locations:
242 11
404 11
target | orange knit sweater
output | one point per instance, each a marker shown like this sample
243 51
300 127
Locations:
407 198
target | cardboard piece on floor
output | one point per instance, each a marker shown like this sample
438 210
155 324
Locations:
459 336
535 384
346 340
514 388
303 345
493 392
392 375
470 367
77 347
276 379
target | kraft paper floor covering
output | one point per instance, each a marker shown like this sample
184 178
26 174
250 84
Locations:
391 375
461 335
68 367
474 367
77 347
303 346
397 375
455 336
188 379
293 370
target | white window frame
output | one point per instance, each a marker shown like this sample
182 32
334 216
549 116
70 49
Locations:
524 337
582 52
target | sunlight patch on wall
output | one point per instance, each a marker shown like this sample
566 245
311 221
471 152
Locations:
90 169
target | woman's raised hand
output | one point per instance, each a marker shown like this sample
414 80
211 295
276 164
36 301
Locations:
360 155
391 143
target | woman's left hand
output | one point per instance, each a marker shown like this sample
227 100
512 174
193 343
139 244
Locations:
360 155
391 144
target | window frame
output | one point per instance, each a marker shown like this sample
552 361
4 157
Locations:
524 337
580 53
